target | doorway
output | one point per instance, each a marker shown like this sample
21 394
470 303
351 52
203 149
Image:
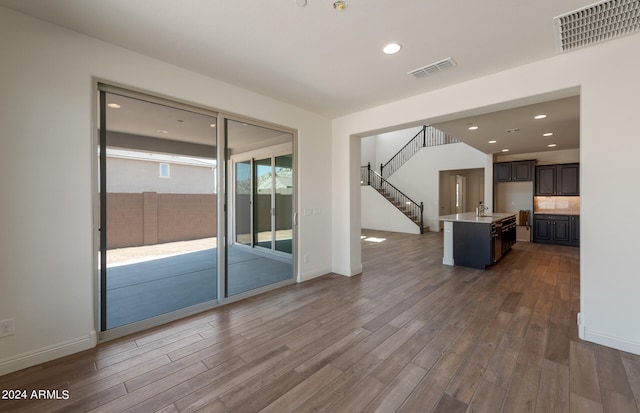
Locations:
460 190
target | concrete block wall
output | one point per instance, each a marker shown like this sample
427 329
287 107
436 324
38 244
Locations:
136 219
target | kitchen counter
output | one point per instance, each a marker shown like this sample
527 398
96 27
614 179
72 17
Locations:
477 241
483 219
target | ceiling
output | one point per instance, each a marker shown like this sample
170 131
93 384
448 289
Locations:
143 118
331 62
517 131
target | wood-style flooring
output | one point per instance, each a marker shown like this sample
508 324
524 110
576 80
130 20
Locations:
407 335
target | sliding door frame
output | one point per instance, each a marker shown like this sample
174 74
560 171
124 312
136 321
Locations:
101 87
270 152
227 188
105 334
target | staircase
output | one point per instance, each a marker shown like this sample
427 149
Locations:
428 136
403 203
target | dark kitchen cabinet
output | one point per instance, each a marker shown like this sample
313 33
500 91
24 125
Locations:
568 179
556 229
541 229
558 180
546 180
522 170
502 172
574 227
478 245
513 171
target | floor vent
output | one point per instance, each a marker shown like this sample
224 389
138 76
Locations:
596 23
433 68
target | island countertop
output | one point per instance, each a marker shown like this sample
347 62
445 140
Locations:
471 217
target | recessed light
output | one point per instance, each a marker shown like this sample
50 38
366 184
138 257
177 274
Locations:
552 145
391 48
493 141
301 3
548 134
473 127
213 125
162 131
540 116
113 105
505 150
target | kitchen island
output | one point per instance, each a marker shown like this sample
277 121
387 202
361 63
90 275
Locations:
477 241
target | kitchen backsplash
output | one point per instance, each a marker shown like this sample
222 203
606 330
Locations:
562 205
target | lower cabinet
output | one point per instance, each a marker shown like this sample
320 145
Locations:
556 229
478 245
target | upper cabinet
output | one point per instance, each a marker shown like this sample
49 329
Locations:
513 171
558 180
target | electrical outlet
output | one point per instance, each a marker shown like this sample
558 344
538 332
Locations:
7 327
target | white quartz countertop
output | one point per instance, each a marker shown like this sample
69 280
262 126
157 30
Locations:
471 217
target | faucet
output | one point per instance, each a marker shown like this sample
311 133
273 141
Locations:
480 210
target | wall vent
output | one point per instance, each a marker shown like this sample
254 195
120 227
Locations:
433 68
596 23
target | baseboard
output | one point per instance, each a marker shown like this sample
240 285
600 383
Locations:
313 274
606 340
33 358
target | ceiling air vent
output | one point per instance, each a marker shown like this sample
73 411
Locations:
433 68
596 23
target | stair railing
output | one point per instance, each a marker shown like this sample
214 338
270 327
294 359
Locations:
402 202
427 136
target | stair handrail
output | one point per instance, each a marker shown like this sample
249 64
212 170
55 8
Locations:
381 185
436 137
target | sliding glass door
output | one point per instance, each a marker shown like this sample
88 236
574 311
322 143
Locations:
242 188
158 203
262 203
263 198
283 203
179 231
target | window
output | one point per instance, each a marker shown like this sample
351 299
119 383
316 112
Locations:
164 170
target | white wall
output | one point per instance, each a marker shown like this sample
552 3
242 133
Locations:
137 176
388 144
47 102
380 214
609 150
419 177
368 151
544 158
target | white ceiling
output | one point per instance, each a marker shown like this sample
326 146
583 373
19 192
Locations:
516 130
315 57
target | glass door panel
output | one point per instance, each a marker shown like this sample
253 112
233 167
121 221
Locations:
262 173
283 203
262 210
158 204
243 202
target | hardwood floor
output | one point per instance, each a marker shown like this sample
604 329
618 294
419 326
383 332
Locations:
408 335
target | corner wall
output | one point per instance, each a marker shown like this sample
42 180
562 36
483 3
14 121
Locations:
47 146
609 150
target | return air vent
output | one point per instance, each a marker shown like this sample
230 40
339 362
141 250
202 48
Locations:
433 68
596 23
